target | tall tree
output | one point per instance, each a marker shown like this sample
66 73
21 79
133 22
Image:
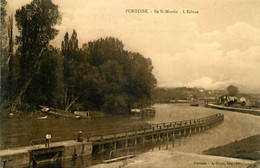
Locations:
35 23
4 51
232 90
125 79
10 60
71 55
141 80
4 34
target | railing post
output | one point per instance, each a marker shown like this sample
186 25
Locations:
143 137
167 137
114 141
173 139
159 139
135 138
126 142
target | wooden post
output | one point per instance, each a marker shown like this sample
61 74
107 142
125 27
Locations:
135 138
159 139
135 143
115 142
126 142
143 137
167 140
167 137
30 161
102 145
173 139
102 148
115 145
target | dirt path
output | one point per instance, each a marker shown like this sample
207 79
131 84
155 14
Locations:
172 159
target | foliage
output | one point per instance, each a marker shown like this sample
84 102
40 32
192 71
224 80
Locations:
232 90
180 93
3 11
101 75
35 23
109 78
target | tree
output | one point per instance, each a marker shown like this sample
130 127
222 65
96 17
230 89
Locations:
141 80
6 55
4 34
35 23
232 90
71 62
125 79
4 52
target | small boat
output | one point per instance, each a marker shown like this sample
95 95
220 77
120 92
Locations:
78 117
42 118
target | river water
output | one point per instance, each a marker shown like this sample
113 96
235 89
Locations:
236 126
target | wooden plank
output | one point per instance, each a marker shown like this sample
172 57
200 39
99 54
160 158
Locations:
119 158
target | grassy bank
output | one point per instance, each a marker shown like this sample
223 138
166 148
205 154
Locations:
248 148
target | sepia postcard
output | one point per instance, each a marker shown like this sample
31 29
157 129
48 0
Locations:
130 83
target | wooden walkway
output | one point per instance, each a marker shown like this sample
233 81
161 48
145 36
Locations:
153 132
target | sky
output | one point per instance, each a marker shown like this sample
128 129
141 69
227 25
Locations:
214 48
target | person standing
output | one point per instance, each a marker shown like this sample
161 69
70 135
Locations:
47 138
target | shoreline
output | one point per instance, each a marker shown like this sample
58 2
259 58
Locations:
241 110
167 159
247 148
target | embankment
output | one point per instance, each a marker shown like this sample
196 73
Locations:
241 110
248 148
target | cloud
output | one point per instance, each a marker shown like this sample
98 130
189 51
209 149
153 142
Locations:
219 59
182 54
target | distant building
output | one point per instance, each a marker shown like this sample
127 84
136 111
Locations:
230 100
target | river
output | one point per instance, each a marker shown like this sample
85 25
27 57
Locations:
236 126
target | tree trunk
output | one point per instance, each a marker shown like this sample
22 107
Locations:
17 100
71 104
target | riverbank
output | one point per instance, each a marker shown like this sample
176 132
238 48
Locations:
241 110
236 126
169 159
15 133
248 148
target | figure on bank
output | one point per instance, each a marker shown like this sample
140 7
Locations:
80 138
47 138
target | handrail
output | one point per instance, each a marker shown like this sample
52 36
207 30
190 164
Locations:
155 127
42 141
179 124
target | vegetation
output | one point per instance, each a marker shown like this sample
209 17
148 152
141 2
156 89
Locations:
232 90
180 93
101 75
247 148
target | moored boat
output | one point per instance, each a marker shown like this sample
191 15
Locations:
42 118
